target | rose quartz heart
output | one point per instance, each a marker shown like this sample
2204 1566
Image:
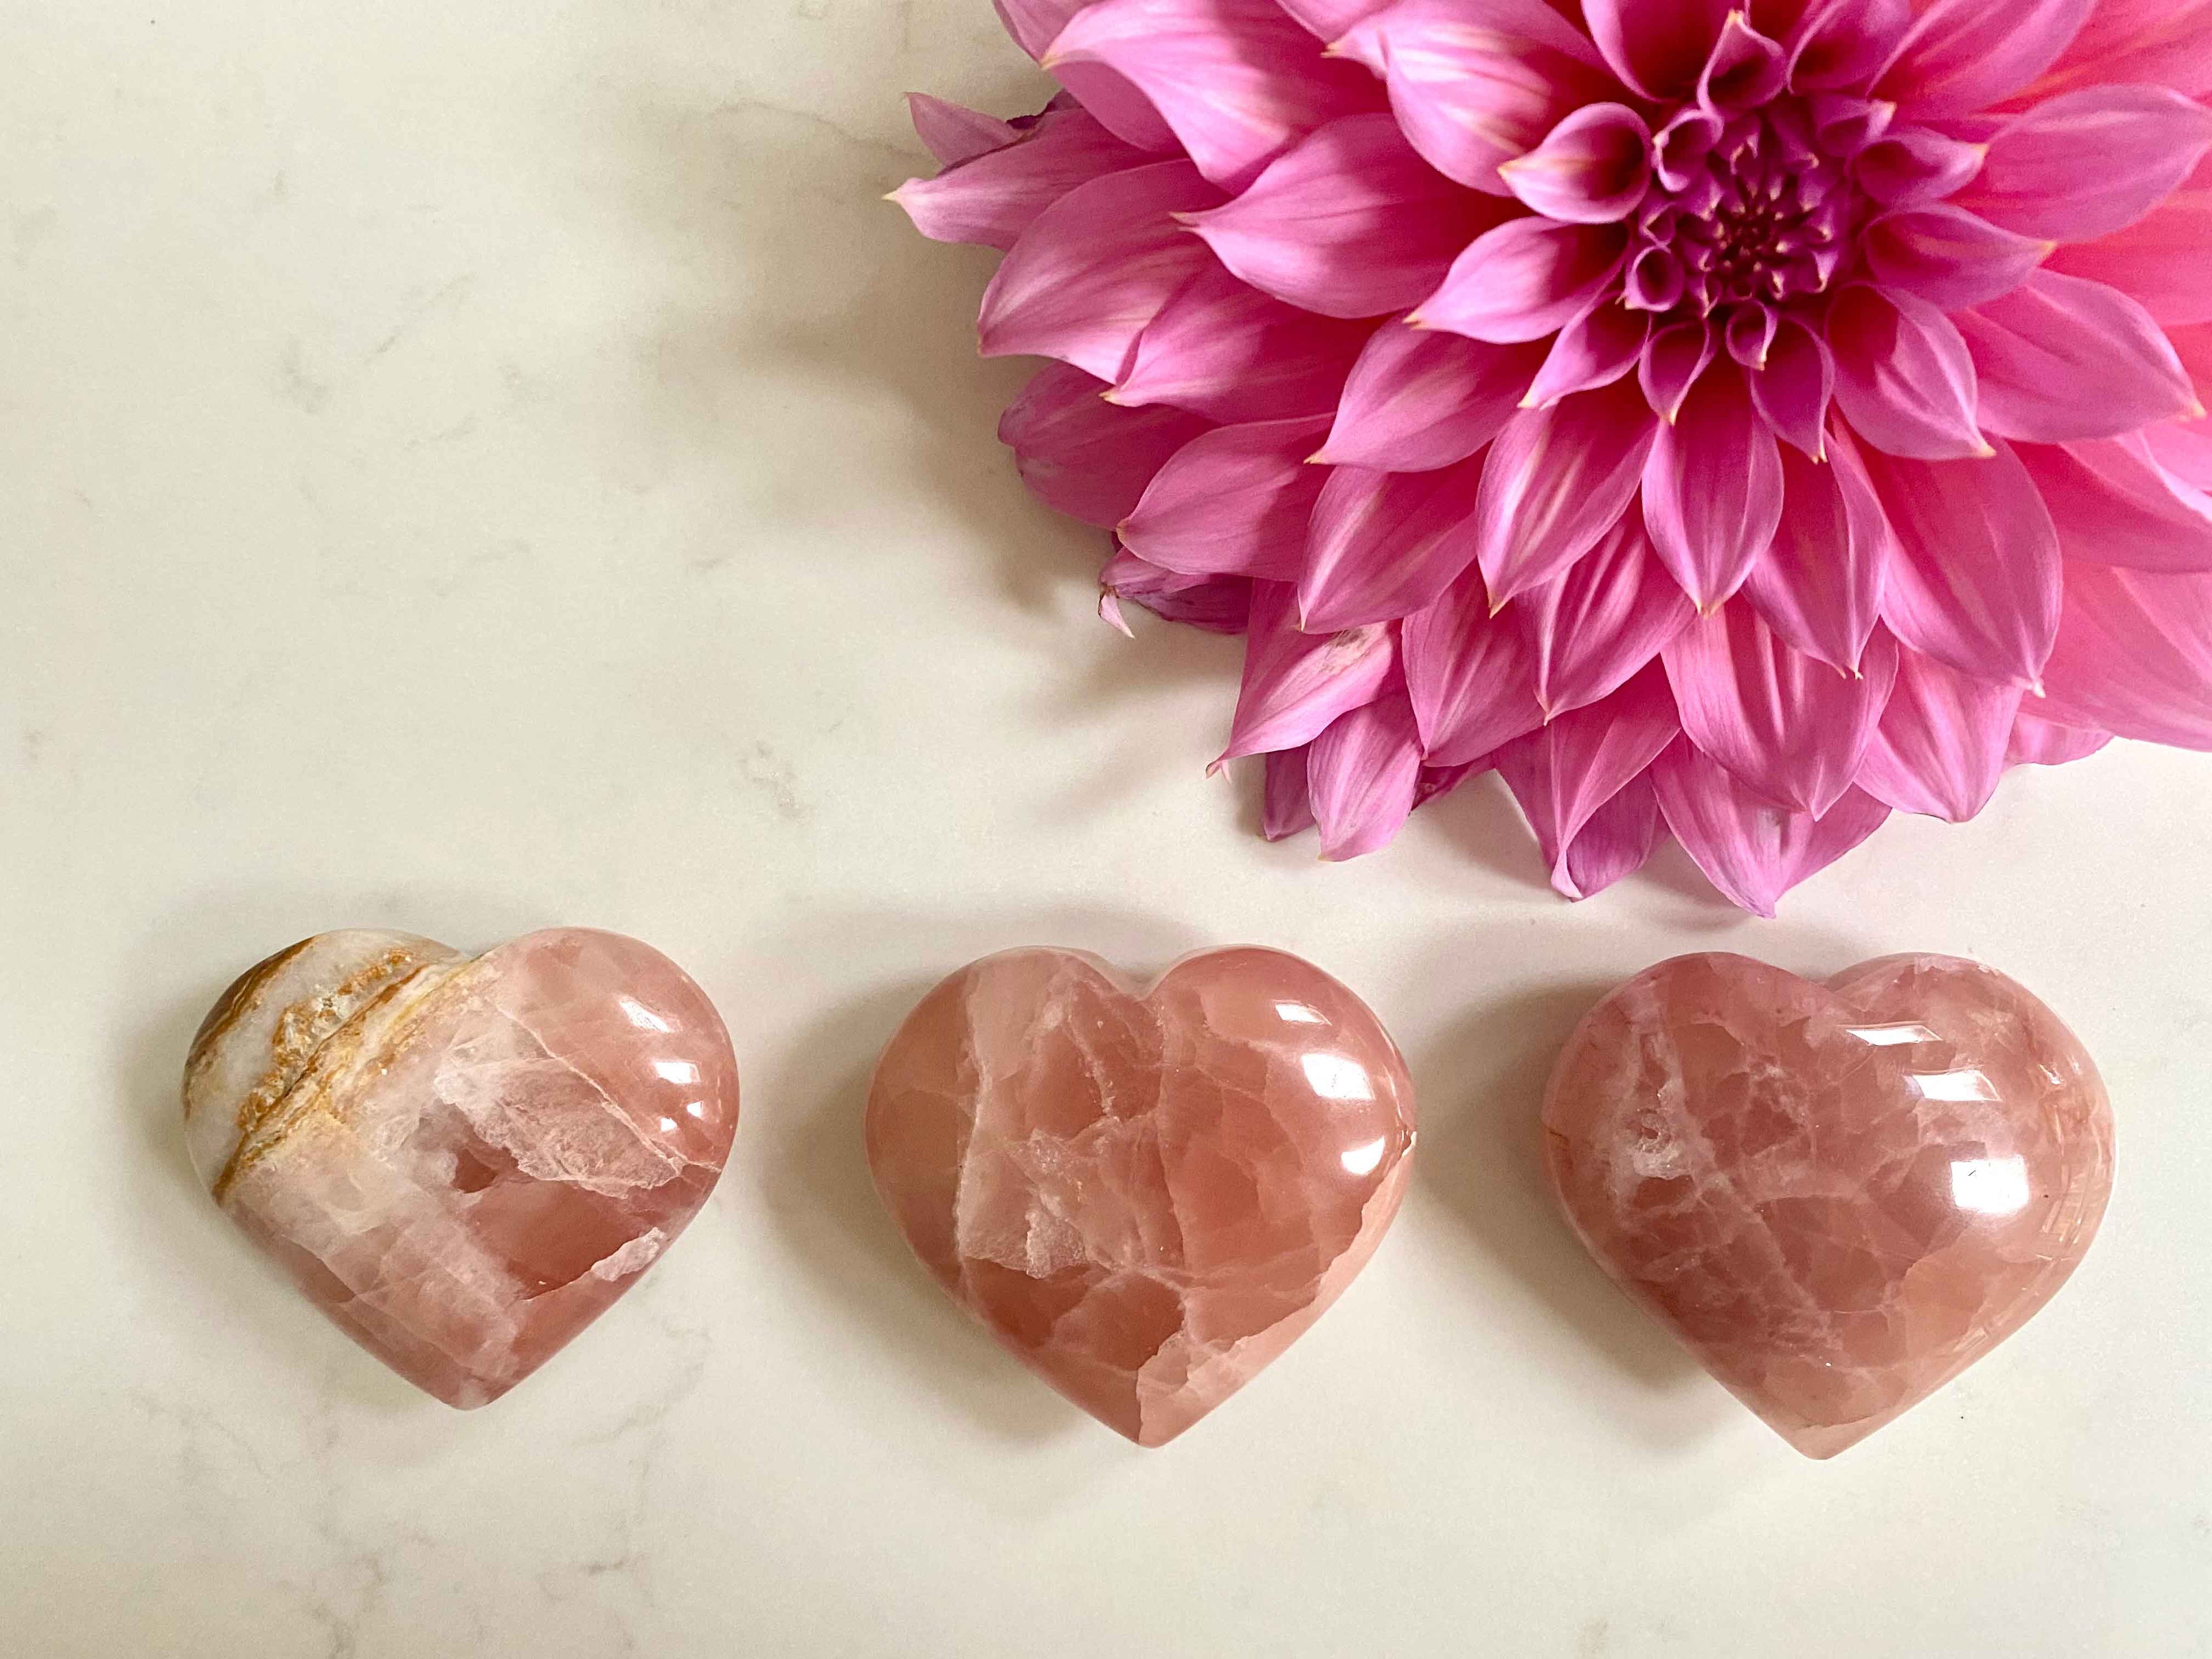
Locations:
1837 1196
1146 1195
462 1162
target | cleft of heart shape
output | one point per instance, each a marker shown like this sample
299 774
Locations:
1837 1196
1147 1194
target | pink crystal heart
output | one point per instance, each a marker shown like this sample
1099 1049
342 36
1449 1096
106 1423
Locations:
1840 1196
1147 1194
463 1162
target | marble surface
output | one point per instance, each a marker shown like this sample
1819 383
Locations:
468 469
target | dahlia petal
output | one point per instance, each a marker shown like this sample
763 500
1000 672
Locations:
1080 455
1750 334
1524 280
954 134
1618 840
1286 802
1679 148
2159 260
1974 578
1591 628
1592 169
1820 586
2168 42
1419 399
1443 780
1298 685
1469 674
1948 256
1788 725
1233 354
1915 166
1088 277
2134 657
992 199
1904 377
1036 24
2045 743
1236 501
1564 773
1477 83
1559 478
1746 68
1351 223
1842 45
2061 360
1217 604
1364 773
1238 82
1385 544
1659 47
1594 349
1942 745
1794 385
1332 20
2087 163
2114 503
1962 56
1712 488
1752 850
1673 358
1845 127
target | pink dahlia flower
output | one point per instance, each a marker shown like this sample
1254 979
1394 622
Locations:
1741 423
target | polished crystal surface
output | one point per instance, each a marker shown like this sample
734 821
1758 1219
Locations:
463 1162
1839 1196
1145 1194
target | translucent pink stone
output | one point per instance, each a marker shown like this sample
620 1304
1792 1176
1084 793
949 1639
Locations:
1147 1194
463 1162
1837 1196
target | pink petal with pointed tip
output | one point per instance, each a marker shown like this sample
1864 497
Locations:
1525 279
991 200
1216 605
1036 24
1559 478
1840 46
1082 456
1236 503
1385 544
1420 399
1904 377
2045 743
1962 56
1594 349
1351 223
1330 21
1363 773
1659 47
1752 850
1593 168
1751 332
1563 774
1233 354
2134 657
1296 685
1469 675
1914 167
1820 585
1795 388
1238 82
2168 42
1942 748
1712 488
2159 260
1286 802
2089 163
1088 277
954 134
2061 358
1618 840
1592 629
1674 358
1746 69
1948 257
1974 580
2114 503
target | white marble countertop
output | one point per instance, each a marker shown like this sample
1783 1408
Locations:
466 468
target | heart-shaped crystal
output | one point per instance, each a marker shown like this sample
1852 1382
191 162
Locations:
1147 1194
1839 1196
463 1162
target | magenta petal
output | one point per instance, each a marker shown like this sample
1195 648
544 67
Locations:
1217 604
1332 20
1820 586
1233 354
1088 277
1962 56
1363 773
1712 488
2045 743
1563 774
1238 82
2114 503
992 199
1840 46
1469 674
1385 544
1751 849
1036 24
1528 278
1594 349
1795 388
2088 163
1351 223
1477 83
1286 802
1913 167
954 134
1593 168
1559 478
1974 580
1298 685
2159 260
1660 47
1593 628
2134 657
1235 502
1746 68
1618 840
1673 358
1948 257
1419 399
1788 725
1903 378
2168 42
1943 741
2061 358
1082 456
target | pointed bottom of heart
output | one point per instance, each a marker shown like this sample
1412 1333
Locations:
1839 1196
